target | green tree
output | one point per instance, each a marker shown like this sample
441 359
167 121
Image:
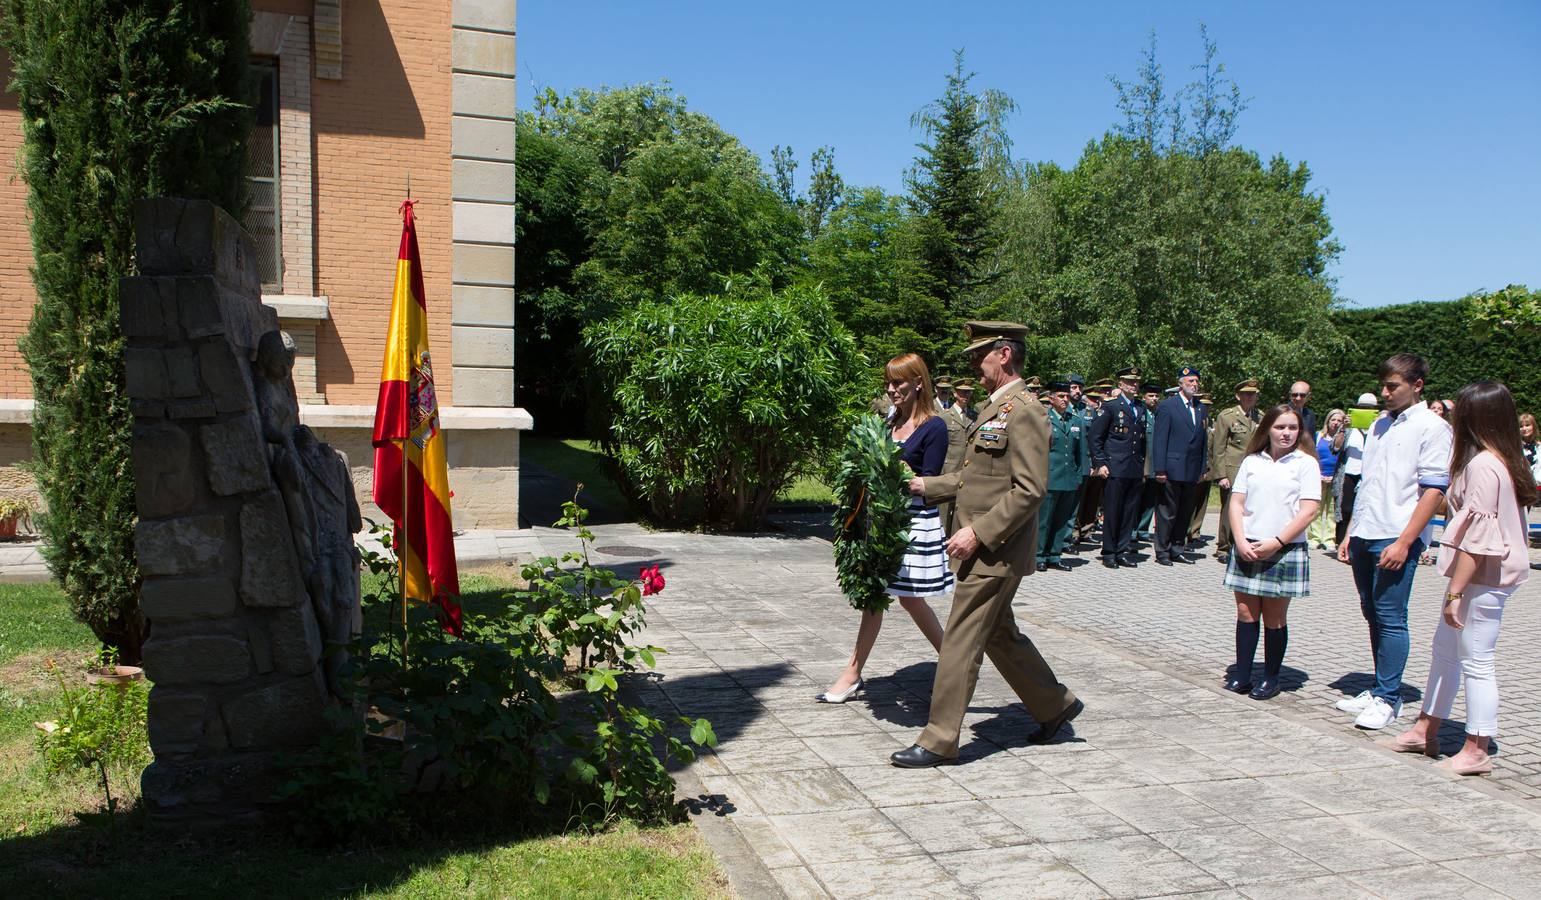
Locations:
120 101
953 192
826 189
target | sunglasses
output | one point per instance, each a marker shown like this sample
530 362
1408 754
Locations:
1306 394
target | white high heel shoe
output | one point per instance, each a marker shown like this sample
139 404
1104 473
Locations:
829 697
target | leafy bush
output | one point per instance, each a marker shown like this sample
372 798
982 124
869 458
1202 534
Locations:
872 517
97 728
475 719
119 101
713 404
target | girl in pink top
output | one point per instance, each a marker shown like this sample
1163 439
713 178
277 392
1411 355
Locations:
1484 554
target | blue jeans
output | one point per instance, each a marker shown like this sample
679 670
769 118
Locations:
1383 597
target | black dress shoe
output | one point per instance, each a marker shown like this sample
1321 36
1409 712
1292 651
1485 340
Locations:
918 757
1059 566
1047 730
1043 567
1178 557
1237 686
1163 561
1128 562
1109 564
1268 687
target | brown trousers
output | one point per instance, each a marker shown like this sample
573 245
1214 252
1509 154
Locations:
982 622
1223 534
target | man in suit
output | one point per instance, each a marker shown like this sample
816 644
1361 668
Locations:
996 496
1067 459
1181 429
1233 431
1117 446
1300 395
1206 481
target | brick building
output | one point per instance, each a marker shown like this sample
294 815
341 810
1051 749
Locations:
356 99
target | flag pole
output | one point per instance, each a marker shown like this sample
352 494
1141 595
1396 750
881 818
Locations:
406 510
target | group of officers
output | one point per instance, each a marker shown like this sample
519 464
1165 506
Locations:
1125 455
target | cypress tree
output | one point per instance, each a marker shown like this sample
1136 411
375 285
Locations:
120 100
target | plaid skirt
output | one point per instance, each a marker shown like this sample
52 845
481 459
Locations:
1285 575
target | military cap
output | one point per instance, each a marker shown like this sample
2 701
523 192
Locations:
944 382
1172 390
1105 384
1055 386
1073 378
1185 371
1132 373
964 385
982 334
1206 399
1035 382
1094 394
1249 386
1150 387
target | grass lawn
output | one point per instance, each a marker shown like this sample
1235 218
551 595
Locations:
578 460
45 852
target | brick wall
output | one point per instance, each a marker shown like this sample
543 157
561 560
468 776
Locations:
389 114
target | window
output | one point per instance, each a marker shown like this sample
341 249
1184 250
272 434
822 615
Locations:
262 170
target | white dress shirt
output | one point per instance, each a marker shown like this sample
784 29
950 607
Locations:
1404 456
1272 490
1353 452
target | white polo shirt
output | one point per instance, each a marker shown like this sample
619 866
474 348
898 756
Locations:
1404 456
1273 490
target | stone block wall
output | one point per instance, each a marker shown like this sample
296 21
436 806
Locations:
235 649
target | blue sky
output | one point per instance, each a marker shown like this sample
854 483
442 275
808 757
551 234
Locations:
1421 122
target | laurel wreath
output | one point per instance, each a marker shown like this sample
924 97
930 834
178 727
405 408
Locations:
872 521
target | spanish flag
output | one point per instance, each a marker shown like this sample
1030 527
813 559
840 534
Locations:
411 476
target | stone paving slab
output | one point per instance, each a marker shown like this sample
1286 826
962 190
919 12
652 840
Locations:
1167 785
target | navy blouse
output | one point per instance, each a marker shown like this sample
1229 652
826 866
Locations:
926 449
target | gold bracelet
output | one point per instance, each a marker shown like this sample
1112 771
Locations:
1451 595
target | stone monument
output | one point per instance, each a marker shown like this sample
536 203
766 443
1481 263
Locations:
246 522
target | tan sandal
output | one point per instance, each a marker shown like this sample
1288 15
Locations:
1429 748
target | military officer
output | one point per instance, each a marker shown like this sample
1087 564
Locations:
1034 386
1206 481
958 423
1067 460
1092 486
963 394
1233 430
1117 448
997 496
1077 391
943 387
1150 492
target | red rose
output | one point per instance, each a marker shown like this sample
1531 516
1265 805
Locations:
652 582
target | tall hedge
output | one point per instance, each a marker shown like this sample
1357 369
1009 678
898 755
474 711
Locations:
1444 333
120 100
710 405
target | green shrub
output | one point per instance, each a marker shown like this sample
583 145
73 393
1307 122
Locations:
712 404
471 726
97 728
119 101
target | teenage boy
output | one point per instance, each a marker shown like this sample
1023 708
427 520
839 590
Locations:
1406 470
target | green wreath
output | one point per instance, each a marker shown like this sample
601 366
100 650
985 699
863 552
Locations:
872 523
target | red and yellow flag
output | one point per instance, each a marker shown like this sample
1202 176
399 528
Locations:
411 476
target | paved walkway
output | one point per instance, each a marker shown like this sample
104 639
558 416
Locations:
1168 785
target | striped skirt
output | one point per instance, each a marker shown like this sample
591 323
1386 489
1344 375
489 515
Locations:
924 572
1285 575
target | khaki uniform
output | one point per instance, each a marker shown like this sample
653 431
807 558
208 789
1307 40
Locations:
958 424
997 493
1228 447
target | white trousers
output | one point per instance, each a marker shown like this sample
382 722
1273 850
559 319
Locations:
1468 652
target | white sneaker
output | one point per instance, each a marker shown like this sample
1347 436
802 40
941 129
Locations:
1378 714
1355 705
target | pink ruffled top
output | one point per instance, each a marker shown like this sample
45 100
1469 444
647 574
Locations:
1487 522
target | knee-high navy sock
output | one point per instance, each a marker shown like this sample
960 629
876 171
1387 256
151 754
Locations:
1246 648
1274 642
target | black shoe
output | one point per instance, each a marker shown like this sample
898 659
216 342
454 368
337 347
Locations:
1223 556
918 757
1059 566
1047 730
1128 562
1178 557
1110 564
1268 687
1163 561
1043 567
1237 686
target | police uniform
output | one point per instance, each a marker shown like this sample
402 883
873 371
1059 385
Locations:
1117 441
1067 460
1233 431
997 494
1150 492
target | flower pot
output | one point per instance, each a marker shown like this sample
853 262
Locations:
119 676
8 528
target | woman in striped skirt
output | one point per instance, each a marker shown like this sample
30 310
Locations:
1273 499
922 437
